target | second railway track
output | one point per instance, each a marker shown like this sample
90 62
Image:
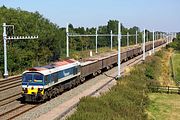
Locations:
12 79
13 113
9 99
10 83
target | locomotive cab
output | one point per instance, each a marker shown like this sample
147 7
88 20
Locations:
32 86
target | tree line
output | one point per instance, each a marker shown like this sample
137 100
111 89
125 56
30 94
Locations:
51 44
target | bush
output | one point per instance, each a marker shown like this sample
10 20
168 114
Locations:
125 101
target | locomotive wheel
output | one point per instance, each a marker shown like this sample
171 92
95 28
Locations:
95 74
61 89
82 79
74 83
50 94
108 67
99 71
78 81
70 85
111 66
45 97
55 92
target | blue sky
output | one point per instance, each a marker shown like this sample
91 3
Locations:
160 15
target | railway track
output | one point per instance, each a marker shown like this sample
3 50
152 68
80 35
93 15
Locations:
10 83
9 99
12 79
13 113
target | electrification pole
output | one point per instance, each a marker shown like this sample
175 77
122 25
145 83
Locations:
153 41
111 40
96 40
5 38
67 40
5 50
128 39
147 37
144 42
136 37
119 50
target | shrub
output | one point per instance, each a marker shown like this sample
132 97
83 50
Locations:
125 101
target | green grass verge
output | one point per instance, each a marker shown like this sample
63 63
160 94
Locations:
176 65
127 100
164 106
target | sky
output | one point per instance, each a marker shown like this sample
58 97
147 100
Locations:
160 15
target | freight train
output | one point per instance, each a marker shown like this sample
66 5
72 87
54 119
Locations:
46 82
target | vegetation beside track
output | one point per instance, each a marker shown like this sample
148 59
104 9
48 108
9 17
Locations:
176 59
176 66
128 100
166 106
161 106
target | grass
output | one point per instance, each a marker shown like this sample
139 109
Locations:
130 99
127 100
176 65
164 106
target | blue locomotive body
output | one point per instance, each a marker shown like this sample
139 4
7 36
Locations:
40 83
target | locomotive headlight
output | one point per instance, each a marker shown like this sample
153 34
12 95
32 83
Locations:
24 89
40 89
